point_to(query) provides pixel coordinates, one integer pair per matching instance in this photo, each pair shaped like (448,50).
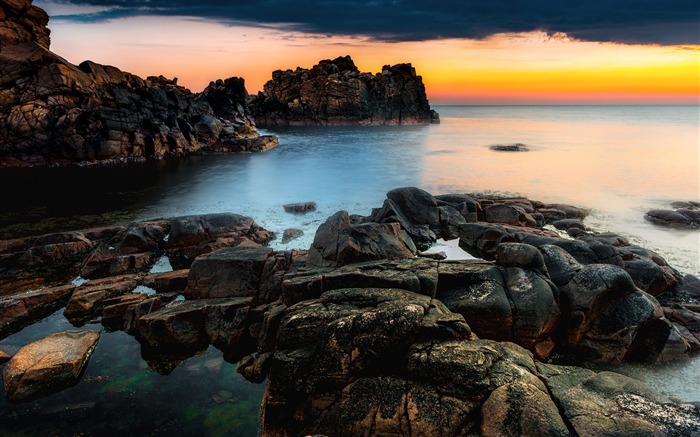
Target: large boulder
(336,92)
(415,210)
(339,242)
(191,236)
(230,272)
(48,365)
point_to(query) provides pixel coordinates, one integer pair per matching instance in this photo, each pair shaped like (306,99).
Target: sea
(617,162)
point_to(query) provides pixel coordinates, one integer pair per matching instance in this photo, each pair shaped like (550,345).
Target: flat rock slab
(22,309)
(48,365)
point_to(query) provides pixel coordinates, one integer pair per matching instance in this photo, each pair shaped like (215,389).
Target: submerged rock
(336,92)
(48,365)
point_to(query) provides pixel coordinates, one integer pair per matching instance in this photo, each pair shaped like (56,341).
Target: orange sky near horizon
(530,68)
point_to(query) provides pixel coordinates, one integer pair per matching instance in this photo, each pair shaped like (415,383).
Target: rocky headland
(336,92)
(53,112)
(360,335)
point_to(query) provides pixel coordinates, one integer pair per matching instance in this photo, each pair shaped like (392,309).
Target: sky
(468,52)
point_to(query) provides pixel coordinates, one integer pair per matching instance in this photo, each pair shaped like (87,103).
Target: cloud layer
(623,21)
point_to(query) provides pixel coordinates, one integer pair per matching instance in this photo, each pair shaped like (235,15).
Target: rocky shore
(359,335)
(53,112)
(335,92)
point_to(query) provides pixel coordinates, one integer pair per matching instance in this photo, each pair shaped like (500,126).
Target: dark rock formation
(338,242)
(682,218)
(291,234)
(299,208)
(517,147)
(336,92)
(48,365)
(54,112)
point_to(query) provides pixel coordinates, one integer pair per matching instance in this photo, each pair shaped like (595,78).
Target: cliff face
(53,112)
(336,92)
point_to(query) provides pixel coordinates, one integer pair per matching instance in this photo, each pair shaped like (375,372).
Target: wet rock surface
(360,336)
(336,92)
(685,216)
(54,112)
(48,365)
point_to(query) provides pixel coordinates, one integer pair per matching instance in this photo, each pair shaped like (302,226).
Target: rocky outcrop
(391,362)
(336,92)
(48,365)
(54,112)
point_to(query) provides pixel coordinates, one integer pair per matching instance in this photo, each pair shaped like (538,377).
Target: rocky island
(53,112)
(360,336)
(335,92)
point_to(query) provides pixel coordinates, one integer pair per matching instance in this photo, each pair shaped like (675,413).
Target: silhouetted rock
(518,147)
(54,112)
(336,92)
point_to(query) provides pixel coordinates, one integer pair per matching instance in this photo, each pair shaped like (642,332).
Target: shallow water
(617,161)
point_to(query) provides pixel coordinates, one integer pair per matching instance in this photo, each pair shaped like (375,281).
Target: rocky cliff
(336,92)
(54,112)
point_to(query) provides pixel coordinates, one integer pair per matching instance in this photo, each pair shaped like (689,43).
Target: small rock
(300,208)
(291,234)
(517,147)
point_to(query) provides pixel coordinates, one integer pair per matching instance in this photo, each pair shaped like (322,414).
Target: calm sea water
(616,161)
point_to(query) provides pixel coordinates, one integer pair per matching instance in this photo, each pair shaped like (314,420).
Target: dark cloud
(625,21)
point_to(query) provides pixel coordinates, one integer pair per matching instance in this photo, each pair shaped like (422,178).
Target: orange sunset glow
(519,68)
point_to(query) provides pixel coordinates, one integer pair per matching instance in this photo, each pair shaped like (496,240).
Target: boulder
(338,242)
(167,282)
(230,272)
(415,210)
(291,234)
(191,236)
(674,219)
(48,365)
(336,92)
(300,208)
